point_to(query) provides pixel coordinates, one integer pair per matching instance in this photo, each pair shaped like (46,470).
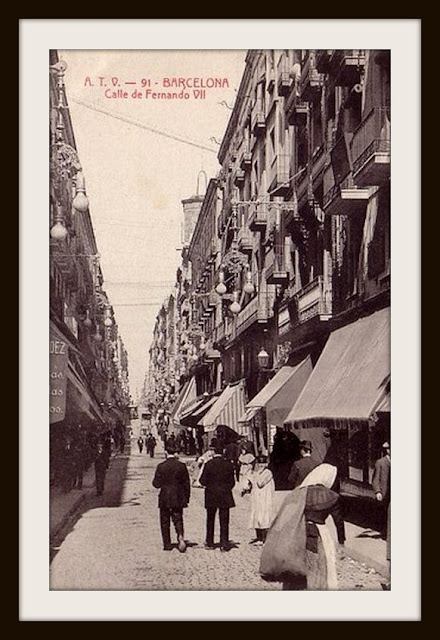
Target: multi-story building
(88,365)
(305,220)
(290,258)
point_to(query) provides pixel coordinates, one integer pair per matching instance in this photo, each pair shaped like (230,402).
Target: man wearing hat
(218,479)
(381,485)
(302,467)
(172,479)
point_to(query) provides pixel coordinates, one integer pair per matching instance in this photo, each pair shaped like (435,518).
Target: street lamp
(108,322)
(88,321)
(263,358)
(80,201)
(58,231)
(221,287)
(97,336)
(235,306)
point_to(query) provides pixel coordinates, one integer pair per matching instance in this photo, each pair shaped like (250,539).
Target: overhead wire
(142,125)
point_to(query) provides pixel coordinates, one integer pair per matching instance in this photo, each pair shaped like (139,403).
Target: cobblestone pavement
(116,543)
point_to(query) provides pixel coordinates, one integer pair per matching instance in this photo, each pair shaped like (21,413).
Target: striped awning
(227,409)
(197,409)
(186,396)
(249,414)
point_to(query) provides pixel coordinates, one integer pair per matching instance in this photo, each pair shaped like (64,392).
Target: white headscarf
(324,474)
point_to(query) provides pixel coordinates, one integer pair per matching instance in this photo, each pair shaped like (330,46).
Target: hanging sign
(58,360)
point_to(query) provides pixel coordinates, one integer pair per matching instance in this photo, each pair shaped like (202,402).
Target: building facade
(89,385)
(292,242)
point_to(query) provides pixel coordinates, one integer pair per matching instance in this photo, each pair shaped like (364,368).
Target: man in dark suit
(302,467)
(381,486)
(218,479)
(172,478)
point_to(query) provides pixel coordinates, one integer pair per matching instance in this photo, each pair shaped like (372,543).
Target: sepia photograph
(219,315)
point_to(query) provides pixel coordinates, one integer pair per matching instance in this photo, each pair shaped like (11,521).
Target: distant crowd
(76,449)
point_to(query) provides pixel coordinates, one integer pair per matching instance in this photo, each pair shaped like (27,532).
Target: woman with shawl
(300,550)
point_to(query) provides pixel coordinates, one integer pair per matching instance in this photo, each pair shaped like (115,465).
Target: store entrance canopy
(197,409)
(349,377)
(186,396)
(280,393)
(228,408)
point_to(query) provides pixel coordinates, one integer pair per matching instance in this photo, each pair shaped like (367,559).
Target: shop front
(344,407)
(268,409)
(226,411)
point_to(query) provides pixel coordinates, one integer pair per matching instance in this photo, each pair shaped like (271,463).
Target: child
(261,487)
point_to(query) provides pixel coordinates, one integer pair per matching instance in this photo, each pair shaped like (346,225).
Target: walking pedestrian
(100,469)
(381,486)
(172,478)
(218,479)
(150,445)
(300,550)
(140,442)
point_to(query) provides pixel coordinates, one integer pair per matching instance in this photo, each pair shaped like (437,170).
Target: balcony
(370,149)
(266,301)
(246,159)
(245,240)
(296,110)
(343,198)
(246,317)
(311,80)
(314,300)
(257,220)
(239,176)
(318,162)
(276,271)
(285,80)
(279,174)
(258,118)
(347,64)
(341,195)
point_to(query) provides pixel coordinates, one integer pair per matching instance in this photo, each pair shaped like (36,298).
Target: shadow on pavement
(116,477)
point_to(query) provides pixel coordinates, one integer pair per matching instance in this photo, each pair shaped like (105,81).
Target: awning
(200,407)
(348,378)
(384,406)
(185,397)
(228,408)
(249,414)
(83,400)
(280,393)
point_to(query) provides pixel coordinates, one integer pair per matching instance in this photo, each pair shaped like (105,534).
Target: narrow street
(116,544)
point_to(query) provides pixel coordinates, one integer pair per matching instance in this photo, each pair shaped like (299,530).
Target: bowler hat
(305,444)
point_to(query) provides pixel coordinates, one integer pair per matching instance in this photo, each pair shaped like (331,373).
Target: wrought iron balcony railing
(370,148)
(315,299)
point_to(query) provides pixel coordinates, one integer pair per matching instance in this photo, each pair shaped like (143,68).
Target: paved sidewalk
(366,546)
(64,505)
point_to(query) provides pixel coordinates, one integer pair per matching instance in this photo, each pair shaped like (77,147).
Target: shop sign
(58,361)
